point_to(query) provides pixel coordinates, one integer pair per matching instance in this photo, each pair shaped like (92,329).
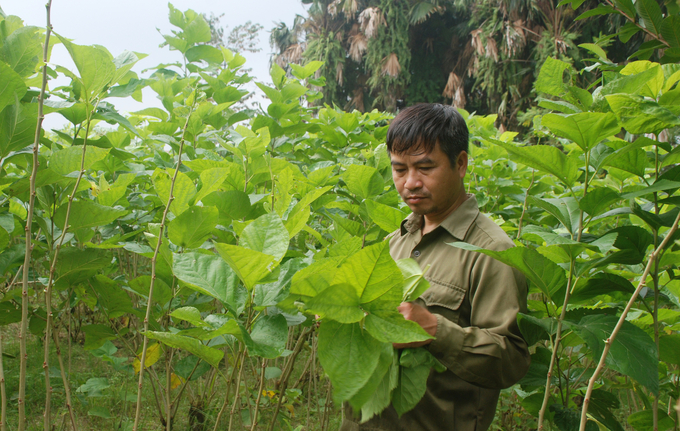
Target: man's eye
(426,168)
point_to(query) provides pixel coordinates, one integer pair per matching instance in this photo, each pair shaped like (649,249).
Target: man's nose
(413,180)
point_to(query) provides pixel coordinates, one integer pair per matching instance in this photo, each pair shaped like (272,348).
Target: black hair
(424,125)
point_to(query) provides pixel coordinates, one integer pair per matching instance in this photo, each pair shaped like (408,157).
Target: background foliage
(189,247)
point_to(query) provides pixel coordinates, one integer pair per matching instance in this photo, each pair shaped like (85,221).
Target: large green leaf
(651,14)
(251,266)
(95,65)
(388,218)
(96,335)
(69,159)
(210,355)
(415,283)
(183,192)
(371,271)
(207,274)
(363,181)
(643,420)
(266,234)
(545,158)
(543,273)
(110,296)
(338,302)
(551,77)
(368,391)
(640,116)
(12,87)
(565,210)
(597,200)
(77,265)
(17,127)
(633,353)
(670,30)
(313,279)
(85,214)
(21,50)
(586,129)
(349,355)
(268,337)
(193,227)
(233,204)
(212,180)
(391,327)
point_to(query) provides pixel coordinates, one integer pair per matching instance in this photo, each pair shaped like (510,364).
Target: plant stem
(3,394)
(145,343)
(64,379)
(259,394)
(237,394)
(619,324)
(524,208)
(286,374)
(50,282)
(29,222)
(553,357)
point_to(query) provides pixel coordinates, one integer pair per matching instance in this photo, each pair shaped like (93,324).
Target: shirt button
(416,253)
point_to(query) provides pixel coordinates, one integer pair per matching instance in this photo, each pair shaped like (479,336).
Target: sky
(134,25)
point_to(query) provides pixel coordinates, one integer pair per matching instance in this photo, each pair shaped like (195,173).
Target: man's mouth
(415,199)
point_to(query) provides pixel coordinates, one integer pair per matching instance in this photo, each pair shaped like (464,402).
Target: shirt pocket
(444,298)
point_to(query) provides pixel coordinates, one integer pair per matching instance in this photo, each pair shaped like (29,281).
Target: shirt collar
(457,223)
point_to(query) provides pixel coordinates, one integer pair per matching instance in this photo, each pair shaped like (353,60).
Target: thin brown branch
(619,324)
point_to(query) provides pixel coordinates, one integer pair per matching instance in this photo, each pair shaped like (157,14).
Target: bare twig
(619,324)
(3,394)
(259,394)
(29,223)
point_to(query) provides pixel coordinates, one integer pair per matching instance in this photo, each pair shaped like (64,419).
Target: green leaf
(191,345)
(251,266)
(551,77)
(382,395)
(586,129)
(391,327)
(371,271)
(539,270)
(234,204)
(268,337)
(651,15)
(183,192)
(193,227)
(644,420)
(670,30)
(597,200)
(96,335)
(348,355)
(207,53)
(86,214)
(68,160)
(12,87)
(95,65)
(565,210)
(367,392)
(77,265)
(661,185)
(633,353)
(411,388)
(313,279)
(599,285)
(304,72)
(207,274)
(21,50)
(267,235)
(17,127)
(197,31)
(388,218)
(338,302)
(191,315)
(640,116)
(94,386)
(545,158)
(110,296)
(415,283)
(101,412)
(363,181)
(212,180)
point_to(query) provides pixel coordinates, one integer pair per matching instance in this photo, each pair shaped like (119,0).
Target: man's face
(428,183)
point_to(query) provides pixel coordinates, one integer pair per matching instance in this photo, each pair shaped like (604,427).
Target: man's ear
(462,163)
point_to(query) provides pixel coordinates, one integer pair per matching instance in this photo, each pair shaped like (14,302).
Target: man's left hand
(421,316)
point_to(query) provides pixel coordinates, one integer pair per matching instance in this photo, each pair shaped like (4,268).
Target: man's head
(424,125)
(428,151)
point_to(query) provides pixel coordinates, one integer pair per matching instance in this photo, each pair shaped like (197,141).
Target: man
(472,304)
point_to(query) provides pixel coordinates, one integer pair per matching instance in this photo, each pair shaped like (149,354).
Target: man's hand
(421,316)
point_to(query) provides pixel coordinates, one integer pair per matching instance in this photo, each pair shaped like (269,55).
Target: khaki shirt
(476,300)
